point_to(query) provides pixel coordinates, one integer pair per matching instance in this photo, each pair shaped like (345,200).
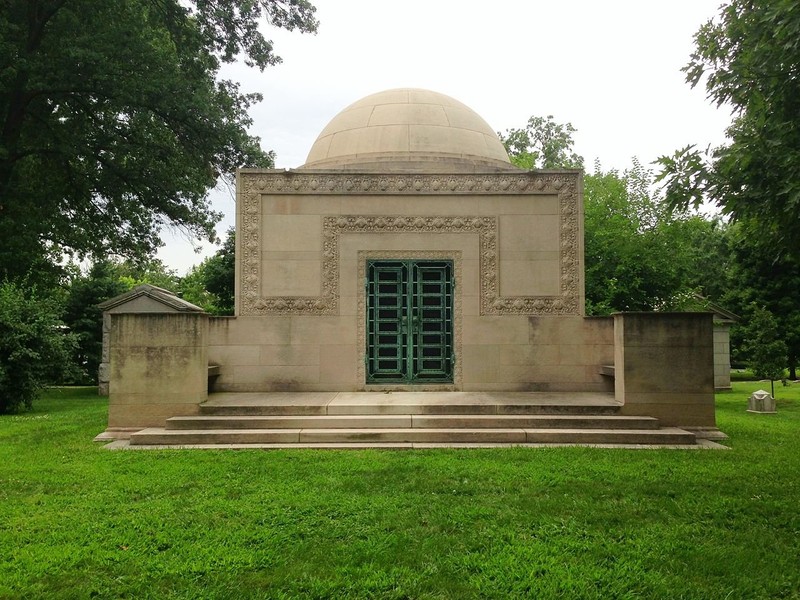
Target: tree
(193,289)
(104,279)
(748,59)
(758,279)
(85,319)
(34,349)
(211,283)
(639,254)
(542,144)
(151,271)
(708,243)
(219,274)
(113,122)
(766,349)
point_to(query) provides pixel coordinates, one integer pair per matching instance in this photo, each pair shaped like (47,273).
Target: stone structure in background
(141,299)
(722,348)
(408,254)
(761,402)
(723,319)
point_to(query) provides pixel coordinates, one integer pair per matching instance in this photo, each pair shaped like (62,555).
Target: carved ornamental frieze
(254,184)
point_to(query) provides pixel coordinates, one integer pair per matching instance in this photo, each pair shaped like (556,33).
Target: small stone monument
(761,402)
(143,298)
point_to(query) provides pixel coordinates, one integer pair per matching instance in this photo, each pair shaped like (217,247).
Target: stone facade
(664,367)
(722,355)
(305,237)
(402,177)
(159,367)
(141,299)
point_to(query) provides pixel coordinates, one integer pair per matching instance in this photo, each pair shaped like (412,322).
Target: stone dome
(408,129)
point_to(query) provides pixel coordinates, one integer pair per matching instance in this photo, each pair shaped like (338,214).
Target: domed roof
(408,129)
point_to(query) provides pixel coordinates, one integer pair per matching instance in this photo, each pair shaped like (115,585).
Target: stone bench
(607,370)
(213,373)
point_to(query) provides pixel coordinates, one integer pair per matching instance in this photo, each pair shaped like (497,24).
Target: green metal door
(410,321)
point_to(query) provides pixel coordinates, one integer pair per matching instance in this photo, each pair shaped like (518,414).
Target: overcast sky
(609,67)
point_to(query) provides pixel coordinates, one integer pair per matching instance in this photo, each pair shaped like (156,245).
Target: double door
(409,321)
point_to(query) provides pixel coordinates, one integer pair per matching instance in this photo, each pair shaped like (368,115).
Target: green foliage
(112,120)
(749,59)
(707,246)
(755,277)
(85,319)
(640,255)
(104,280)
(219,274)
(151,271)
(767,351)
(81,522)
(34,349)
(542,144)
(210,284)
(193,289)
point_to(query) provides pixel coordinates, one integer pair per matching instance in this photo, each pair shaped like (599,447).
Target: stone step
(664,435)
(125,445)
(161,436)
(408,420)
(288,422)
(414,421)
(233,409)
(409,403)
(537,421)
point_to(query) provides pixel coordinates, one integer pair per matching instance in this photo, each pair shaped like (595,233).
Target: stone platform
(395,420)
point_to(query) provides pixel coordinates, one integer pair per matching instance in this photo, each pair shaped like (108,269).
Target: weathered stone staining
(412,180)
(141,299)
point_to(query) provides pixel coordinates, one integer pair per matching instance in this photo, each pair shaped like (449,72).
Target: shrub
(34,349)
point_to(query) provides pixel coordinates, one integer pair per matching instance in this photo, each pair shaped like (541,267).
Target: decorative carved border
(310,182)
(254,184)
(363,257)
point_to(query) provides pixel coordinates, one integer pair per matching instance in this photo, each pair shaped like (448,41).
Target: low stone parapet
(159,367)
(664,367)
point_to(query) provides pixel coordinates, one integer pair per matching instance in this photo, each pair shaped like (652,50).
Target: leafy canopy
(640,255)
(756,279)
(211,283)
(113,121)
(85,319)
(749,59)
(542,144)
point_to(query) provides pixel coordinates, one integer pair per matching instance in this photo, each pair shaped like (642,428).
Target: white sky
(609,67)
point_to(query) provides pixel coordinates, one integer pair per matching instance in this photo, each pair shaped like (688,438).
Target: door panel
(410,321)
(386,319)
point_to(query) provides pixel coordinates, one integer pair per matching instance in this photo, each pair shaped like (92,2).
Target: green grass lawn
(78,521)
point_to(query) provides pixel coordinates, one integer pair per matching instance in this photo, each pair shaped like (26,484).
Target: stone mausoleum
(409,257)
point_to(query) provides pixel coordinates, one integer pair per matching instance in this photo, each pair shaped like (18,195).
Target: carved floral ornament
(297,182)
(253,184)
